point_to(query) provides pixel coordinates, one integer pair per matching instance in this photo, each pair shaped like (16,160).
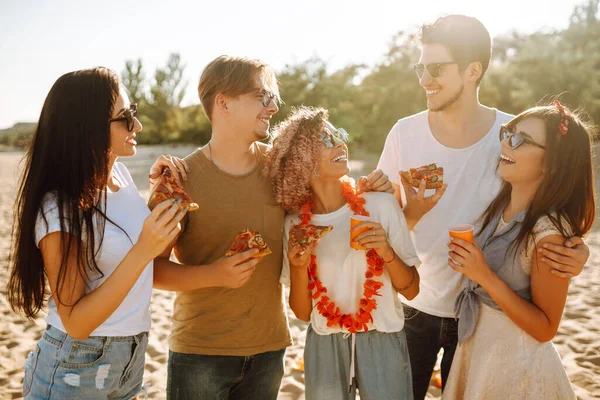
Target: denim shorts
(381,365)
(100,367)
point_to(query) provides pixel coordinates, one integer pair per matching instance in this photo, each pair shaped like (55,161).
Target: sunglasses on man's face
(516,139)
(268,97)
(434,69)
(332,136)
(128,116)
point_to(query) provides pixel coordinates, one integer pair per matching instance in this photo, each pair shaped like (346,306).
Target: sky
(42,39)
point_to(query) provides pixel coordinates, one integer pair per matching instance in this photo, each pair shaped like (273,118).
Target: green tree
(134,80)
(166,94)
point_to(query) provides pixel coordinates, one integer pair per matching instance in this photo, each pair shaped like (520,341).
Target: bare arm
(402,276)
(230,272)
(300,294)
(541,317)
(82,313)
(405,278)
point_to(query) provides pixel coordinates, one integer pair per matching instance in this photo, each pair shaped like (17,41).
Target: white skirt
(501,361)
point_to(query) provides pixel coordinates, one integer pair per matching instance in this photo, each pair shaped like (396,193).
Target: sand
(578,339)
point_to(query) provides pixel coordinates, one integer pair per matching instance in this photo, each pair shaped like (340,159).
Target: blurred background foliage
(526,69)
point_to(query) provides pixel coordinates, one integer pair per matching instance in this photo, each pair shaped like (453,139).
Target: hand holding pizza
(298,258)
(417,204)
(304,238)
(234,271)
(375,237)
(160,228)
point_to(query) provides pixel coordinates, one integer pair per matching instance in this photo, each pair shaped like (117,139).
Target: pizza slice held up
(167,188)
(306,237)
(433,175)
(248,239)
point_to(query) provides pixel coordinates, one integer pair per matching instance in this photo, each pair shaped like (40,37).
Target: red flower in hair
(563,127)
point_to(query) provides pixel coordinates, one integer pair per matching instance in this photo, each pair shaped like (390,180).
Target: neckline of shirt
(495,128)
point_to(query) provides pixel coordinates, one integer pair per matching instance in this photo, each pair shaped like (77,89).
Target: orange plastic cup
(464,232)
(355,220)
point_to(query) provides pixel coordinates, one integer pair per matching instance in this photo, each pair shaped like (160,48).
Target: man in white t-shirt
(462,136)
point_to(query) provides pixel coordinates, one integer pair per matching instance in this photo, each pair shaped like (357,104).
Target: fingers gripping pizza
(305,237)
(166,188)
(433,175)
(248,239)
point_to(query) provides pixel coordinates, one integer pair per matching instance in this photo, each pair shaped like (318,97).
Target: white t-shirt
(128,210)
(472,185)
(342,269)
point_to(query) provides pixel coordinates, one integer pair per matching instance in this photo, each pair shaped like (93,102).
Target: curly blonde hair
(295,155)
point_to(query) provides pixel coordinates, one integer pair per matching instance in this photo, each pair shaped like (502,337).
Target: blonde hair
(295,155)
(233,76)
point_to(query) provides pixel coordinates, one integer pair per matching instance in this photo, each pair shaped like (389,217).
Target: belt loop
(107,341)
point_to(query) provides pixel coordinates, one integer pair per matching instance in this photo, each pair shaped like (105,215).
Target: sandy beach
(578,339)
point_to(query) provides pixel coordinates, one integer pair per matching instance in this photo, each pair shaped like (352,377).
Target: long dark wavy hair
(68,158)
(566,193)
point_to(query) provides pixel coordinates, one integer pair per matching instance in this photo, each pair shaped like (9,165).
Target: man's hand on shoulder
(377,181)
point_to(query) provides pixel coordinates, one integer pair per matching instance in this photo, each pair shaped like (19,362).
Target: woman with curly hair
(355,338)
(511,305)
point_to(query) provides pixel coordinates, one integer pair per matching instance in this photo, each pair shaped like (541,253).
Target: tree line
(526,69)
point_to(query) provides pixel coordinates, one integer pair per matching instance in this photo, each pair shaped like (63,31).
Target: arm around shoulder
(548,291)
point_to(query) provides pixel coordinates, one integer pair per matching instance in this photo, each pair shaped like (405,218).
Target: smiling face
(525,164)
(248,114)
(446,89)
(333,163)
(122,142)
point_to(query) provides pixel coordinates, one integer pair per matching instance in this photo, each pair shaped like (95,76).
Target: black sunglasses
(434,69)
(129,116)
(516,139)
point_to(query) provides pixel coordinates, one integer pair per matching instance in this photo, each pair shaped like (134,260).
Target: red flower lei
(326,307)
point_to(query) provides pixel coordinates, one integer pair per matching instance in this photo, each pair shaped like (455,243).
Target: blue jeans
(425,335)
(195,376)
(100,367)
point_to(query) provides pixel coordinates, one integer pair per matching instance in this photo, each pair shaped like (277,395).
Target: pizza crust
(415,182)
(248,239)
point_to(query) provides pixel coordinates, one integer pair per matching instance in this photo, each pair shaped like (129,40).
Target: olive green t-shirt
(221,321)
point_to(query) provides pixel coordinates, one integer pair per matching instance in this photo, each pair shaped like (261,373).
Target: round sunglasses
(516,139)
(128,116)
(333,136)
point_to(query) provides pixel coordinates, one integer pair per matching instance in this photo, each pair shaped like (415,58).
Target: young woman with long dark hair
(84,237)
(512,304)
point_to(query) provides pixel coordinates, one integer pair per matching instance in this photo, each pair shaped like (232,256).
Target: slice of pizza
(248,239)
(306,237)
(166,188)
(433,175)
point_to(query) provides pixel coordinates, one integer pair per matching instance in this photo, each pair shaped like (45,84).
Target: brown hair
(233,76)
(566,193)
(295,155)
(466,39)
